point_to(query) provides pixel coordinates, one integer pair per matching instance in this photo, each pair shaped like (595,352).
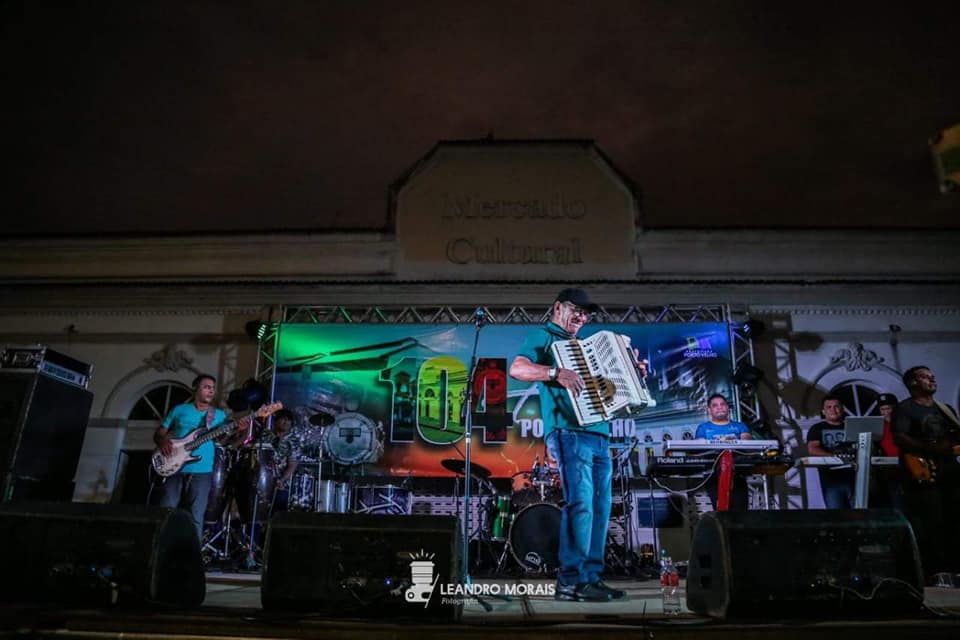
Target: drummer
(286,453)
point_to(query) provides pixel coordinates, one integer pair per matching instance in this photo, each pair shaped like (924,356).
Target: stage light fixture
(257,329)
(753,329)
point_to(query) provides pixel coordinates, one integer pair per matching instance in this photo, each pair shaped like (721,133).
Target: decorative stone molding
(169,359)
(854,357)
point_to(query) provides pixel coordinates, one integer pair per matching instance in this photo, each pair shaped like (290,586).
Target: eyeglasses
(574,309)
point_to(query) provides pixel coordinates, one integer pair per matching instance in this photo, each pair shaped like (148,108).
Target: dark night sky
(167,117)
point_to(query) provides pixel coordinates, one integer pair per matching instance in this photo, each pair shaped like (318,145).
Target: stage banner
(394,395)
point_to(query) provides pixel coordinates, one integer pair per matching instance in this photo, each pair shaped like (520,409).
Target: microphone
(479,316)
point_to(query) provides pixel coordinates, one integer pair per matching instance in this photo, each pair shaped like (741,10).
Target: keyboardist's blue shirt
(711,431)
(556,410)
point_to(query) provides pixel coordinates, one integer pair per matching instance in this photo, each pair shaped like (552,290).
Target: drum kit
(521,522)
(525,519)
(333,449)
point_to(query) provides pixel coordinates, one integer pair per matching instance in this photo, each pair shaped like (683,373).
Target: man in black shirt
(823,439)
(928,433)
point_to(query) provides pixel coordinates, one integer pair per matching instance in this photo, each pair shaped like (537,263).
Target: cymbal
(322,419)
(457,466)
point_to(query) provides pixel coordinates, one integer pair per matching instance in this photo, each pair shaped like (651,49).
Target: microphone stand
(479,318)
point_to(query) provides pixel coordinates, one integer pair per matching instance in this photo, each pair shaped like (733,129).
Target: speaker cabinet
(361,565)
(817,563)
(42,424)
(99,554)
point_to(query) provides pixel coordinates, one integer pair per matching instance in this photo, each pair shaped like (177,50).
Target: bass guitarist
(928,434)
(189,487)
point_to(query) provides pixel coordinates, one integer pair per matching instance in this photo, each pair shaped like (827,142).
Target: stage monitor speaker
(812,563)
(362,565)
(42,424)
(99,554)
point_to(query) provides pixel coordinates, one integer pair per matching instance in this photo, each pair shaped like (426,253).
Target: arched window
(859,397)
(158,399)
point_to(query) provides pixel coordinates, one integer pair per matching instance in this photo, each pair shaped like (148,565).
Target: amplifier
(47,361)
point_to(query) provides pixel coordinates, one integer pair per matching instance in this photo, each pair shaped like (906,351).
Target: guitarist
(928,433)
(189,487)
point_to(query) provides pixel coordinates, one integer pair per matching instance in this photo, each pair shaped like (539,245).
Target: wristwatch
(552,373)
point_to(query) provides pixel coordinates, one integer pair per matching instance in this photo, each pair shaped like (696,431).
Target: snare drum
(353,439)
(383,499)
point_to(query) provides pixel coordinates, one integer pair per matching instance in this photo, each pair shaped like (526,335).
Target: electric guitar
(167,465)
(922,469)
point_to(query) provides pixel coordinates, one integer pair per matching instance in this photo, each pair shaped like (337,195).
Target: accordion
(613,386)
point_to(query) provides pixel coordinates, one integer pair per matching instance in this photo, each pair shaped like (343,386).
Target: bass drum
(535,538)
(353,439)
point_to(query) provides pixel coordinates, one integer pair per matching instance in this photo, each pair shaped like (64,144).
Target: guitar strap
(949,413)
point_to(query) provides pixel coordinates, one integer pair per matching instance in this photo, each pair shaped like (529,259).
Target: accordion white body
(613,386)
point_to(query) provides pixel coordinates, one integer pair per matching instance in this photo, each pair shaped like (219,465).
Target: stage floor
(232,609)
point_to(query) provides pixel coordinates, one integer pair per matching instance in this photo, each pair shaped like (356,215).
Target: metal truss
(492,314)
(748,400)
(626,314)
(266,365)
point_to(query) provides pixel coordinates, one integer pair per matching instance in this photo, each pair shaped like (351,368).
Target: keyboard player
(721,427)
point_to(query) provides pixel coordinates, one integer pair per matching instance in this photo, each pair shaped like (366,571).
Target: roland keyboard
(701,445)
(749,463)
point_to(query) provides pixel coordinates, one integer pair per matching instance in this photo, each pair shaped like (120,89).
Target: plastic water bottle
(669,587)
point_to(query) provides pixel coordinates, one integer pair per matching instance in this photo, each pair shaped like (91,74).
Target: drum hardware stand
(629,560)
(250,562)
(319,481)
(653,524)
(227,532)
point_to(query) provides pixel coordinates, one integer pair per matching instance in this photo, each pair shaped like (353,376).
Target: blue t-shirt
(556,410)
(185,418)
(711,431)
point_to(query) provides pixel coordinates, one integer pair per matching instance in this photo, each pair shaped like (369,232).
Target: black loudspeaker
(42,424)
(816,563)
(362,565)
(99,554)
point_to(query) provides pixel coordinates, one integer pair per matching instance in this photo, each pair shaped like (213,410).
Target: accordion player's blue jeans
(586,471)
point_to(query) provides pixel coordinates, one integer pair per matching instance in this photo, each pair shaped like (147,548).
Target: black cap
(578,297)
(886,399)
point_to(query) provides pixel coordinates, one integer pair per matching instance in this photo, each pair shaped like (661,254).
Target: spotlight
(753,328)
(257,329)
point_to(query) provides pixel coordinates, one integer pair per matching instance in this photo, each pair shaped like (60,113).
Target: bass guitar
(167,465)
